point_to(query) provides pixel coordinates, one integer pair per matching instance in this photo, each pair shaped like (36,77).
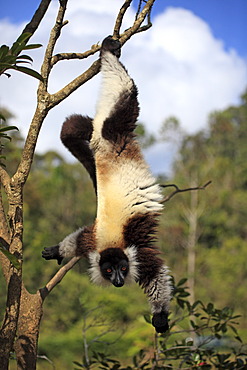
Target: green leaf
(24,37)
(182,281)
(239,339)
(8,128)
(4,49)
(147,318)
(29,72)
(10,257)
(24,56)
(32,46)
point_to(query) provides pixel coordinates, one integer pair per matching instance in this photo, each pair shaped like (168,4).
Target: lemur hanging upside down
(120,244)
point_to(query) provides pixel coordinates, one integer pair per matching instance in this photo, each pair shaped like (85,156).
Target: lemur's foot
(160,322)
(109,44)
(52,253)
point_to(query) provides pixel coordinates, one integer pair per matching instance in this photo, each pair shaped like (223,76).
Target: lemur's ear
(109,44)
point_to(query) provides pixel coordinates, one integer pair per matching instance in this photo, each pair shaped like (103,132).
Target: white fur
(133,275)
(115,80)
(128,189)
(94,270)
(67,247)
(96,276)
(159,291)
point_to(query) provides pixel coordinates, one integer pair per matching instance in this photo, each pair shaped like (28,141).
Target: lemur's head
(114,266)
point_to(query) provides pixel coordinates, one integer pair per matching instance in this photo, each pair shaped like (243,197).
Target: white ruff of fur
(95,273)
(159,291)
(67,247)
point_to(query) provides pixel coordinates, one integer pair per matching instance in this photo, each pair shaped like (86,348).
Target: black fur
(76,134)
(160,322)
(109,44)
(52,253)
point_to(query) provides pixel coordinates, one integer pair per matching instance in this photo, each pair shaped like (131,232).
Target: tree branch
(119,19)
(58,277)
(54,35)
(67,56)
(75,84)
(137,23)
(32,26)
(140,16)
(178,190)
(5,180)
(60,95)
(43,101)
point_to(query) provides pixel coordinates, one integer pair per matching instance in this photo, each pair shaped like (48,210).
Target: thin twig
(67,56)
(136,27)
(178,190)
(119,19)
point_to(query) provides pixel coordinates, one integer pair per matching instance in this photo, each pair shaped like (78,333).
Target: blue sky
(227,18)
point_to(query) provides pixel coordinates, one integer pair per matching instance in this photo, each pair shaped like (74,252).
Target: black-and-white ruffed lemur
(120,244)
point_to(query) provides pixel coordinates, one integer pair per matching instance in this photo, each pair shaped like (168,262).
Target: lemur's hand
(52,253)
(160,322)
(109,44)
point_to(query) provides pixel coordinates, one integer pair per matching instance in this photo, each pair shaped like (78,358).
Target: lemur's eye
(109,270)
(123,268)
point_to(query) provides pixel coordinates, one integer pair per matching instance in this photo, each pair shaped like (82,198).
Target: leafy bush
(200,336)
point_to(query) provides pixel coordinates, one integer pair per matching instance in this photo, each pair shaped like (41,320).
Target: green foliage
(3,135)
(200,336)
(10,58)
(145,139)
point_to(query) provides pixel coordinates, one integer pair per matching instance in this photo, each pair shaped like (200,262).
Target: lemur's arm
(79,243)
(76,134)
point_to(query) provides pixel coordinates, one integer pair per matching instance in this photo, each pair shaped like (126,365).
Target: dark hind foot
(109,44)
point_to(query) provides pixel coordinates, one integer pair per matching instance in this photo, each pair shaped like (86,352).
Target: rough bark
(26,345)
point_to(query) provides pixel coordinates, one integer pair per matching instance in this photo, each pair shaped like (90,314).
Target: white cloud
(178,65)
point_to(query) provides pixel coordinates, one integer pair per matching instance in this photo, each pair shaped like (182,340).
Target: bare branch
(58,277)
(119,19)
(75,84)
(95,67)
(54,35)
(5,180)
(32,26)
(178,190)
(43,101)
(137,24)
(67,56)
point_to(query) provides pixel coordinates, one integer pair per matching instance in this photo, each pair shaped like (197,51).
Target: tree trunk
(26,344)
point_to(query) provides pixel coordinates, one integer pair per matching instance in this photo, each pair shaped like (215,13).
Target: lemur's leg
(154,279)
(75,135)
(118,108)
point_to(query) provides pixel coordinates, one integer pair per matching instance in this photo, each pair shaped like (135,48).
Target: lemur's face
(114,265)
(116,273)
